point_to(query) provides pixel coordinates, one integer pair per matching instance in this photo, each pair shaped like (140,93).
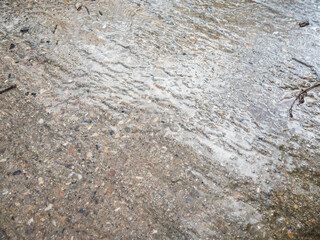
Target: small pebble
(5,192)
(11,75)
(112,173)
(40,180)
(30,221)
(304,23)
(78,6)
(24,29)
(16,173)
(49,207)
(12,46)
(81,210)
(41,121)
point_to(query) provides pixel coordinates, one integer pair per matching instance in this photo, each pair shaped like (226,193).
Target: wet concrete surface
(159,120)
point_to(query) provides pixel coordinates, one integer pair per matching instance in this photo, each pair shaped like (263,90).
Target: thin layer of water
(218,77)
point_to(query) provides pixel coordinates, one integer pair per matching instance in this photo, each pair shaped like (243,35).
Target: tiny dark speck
(111,132)
(12,46)
(33,94)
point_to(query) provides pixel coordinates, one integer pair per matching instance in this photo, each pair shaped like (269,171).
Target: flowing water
(159,119)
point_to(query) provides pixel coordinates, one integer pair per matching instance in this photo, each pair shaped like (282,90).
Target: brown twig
(87,10)
(301,96)
(307,65)
(7,89)
(54,30)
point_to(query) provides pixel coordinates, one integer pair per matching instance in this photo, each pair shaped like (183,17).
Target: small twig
(309,66)
(87,10)
(7,89)
(301,96)
(54,30)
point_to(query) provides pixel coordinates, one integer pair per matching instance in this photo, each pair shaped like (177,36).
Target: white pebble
(40,180)
(30,221)
(49,207)
(5,192)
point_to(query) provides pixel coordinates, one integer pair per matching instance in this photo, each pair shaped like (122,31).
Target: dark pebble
(29,230)
(69,165)
(111,132)
(77,128)
(24,29)
(12,46)
(11,75)
(100,13)
(97,147)
(16,173)
(184,54)
(27,93)
(81,210)
(33,94)
(304,24)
